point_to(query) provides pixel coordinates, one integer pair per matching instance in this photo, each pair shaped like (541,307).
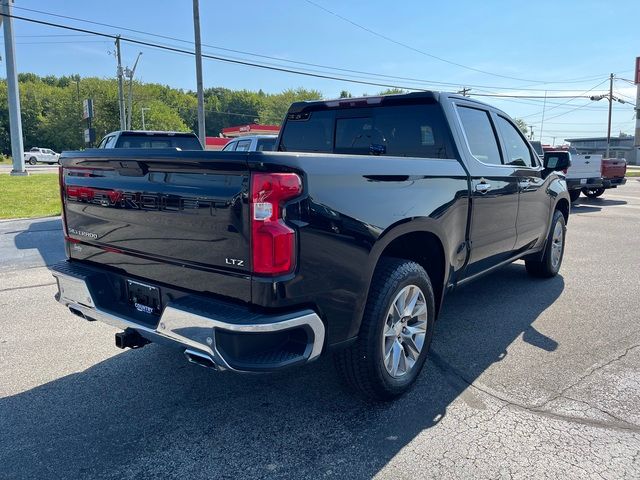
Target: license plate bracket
(144,298)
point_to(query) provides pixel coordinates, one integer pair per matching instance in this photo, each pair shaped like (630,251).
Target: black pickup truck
(344,240)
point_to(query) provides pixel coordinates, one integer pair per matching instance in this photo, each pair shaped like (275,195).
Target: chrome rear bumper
(195,326)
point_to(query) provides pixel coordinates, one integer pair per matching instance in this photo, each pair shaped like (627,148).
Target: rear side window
(229,147)
(110,142)
(401,130)
(516,148)
(266,144)
(243,146)
(480,135)
(312,133)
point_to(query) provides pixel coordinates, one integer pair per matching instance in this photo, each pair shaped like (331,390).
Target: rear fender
(395,231)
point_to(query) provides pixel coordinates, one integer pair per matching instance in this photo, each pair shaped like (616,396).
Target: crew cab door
(494,191)
(534,201)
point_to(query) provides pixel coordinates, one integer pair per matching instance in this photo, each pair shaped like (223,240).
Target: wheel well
(563,206)
(425,249)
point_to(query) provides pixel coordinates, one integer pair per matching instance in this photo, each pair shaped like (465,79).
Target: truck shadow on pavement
(45,238)
(147,413)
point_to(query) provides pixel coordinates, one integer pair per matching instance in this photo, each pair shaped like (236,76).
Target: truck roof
(154,132)
(381,99)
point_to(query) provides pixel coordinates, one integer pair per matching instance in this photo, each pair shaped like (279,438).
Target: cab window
(243,146)
(516,149)
(480,135)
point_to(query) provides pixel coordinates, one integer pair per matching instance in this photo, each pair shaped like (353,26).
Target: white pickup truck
(42,155)
(251,143)
(583,174)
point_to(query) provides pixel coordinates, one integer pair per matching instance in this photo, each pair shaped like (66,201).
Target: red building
(252,129)
(216,143)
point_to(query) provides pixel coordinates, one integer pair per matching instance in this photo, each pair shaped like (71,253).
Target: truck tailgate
(614,168)
(182,221)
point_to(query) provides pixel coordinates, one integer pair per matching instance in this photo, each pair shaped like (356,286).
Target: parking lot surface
(526,379)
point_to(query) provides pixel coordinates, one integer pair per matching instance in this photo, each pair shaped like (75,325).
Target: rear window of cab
(399,130)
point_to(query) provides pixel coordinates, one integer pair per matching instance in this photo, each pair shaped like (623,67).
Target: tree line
(52,109)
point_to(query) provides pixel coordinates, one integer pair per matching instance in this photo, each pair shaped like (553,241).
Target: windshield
(158,141)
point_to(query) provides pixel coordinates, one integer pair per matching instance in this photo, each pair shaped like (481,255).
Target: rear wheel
(549,265)
(593,192)
(395,333)
(33,161)
(573,195)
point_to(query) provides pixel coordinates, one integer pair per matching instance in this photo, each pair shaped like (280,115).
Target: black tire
(362,364)
(33,161)
(573,195)
(592,192)
(547,267)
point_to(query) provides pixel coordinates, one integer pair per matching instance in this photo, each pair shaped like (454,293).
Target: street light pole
(610,107)
(196,33)
(121,106)
(130,74)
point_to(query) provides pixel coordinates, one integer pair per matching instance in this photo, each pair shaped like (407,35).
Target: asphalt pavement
(526,379)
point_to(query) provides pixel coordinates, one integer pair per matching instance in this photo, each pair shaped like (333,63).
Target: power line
(422,52)
(54,34)
(246,63)
(213,57)
(326,67)
(59,42)
(225,59)
(501,95)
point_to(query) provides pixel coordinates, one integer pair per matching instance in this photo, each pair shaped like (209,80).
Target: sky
(553,48)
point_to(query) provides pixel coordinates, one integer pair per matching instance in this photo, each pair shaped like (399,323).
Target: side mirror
(557,161)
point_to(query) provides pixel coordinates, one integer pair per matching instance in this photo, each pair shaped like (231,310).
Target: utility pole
(123,125)
(530,132)
(196,33)
(610,107)
(637,133)
(464,92)
(13,91)
(130,74)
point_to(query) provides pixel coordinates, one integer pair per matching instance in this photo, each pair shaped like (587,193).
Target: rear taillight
(62,195)
(273,243)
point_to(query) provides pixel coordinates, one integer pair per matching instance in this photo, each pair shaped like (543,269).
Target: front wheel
(33,161)
(593,192)
(549,265)
(395,333)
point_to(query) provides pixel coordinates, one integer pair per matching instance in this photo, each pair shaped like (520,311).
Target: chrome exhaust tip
(200,358)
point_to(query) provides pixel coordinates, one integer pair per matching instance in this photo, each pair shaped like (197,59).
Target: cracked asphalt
(526,379)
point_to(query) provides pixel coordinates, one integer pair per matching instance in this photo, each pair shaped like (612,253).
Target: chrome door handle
(482,187)
(524,184)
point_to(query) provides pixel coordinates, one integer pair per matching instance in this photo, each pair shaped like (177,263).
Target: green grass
(32,196)
(4,160)
(634,173)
